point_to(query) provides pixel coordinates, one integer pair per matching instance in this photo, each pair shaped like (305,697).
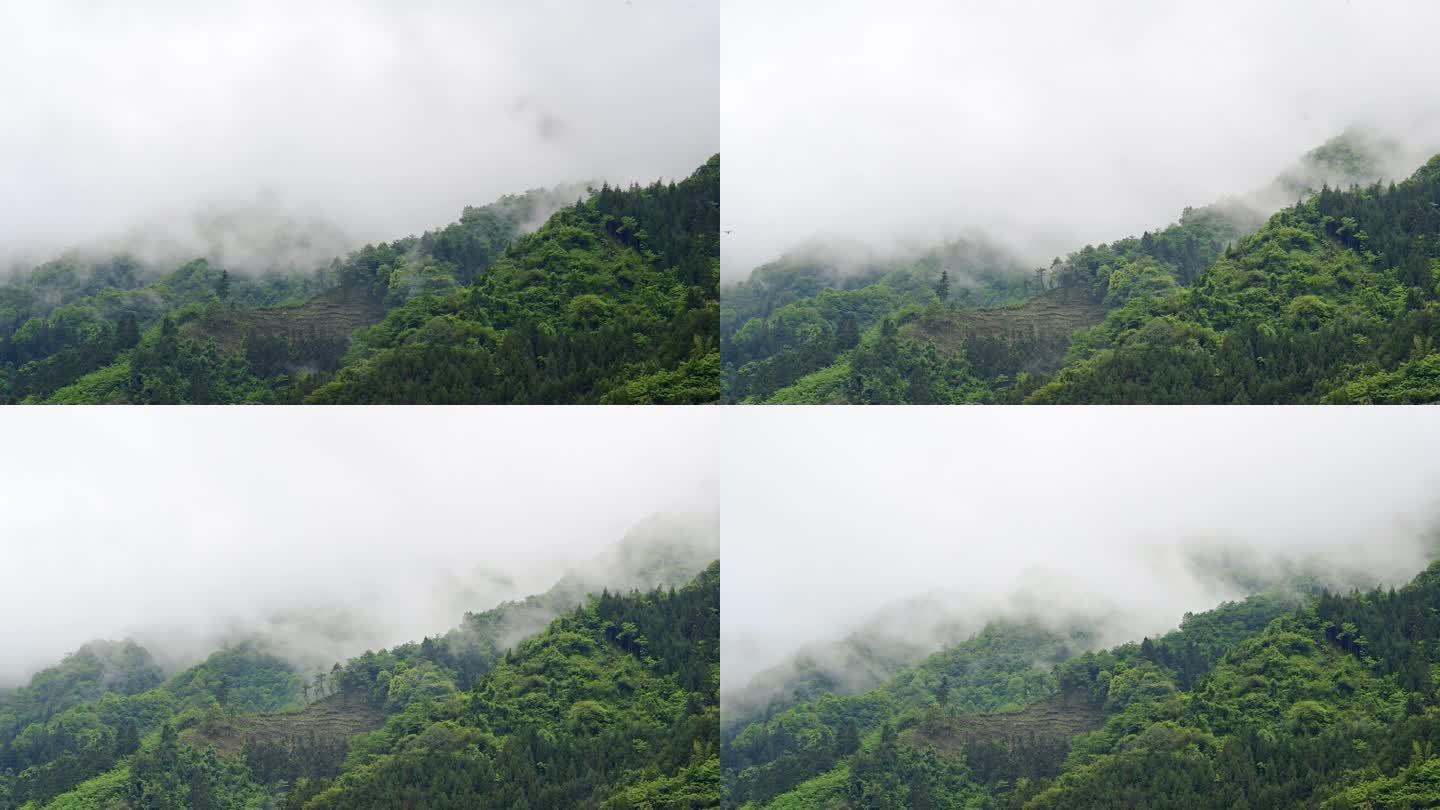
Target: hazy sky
(386,117)
(832,514)
(1052,124)
(179,525)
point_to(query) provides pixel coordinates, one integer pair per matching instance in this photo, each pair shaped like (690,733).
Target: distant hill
(1332,299)
(615,691)
(1290,698)
(613,298)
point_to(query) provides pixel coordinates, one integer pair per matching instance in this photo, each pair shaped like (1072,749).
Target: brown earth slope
(1059,718)
(332,315)
(1032,336)
(336,717)
(1002,748)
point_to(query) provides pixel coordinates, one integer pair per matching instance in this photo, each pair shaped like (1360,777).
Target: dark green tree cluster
(95,670)
(174,776)
(611,704)
(980,725)
(1334,300)
(893,370)
(288,759)
(393,679)
(802,314)
(244,339)
(614,300)
(68,319)
(61,751)
(992,671)
(614,705)
(892,775)
(824,342)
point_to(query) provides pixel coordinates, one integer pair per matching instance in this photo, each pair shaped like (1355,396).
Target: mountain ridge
(1139,303)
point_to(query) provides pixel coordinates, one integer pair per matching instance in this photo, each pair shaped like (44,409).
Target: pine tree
(847,333)
(847,739)
(127,738)
(127,332)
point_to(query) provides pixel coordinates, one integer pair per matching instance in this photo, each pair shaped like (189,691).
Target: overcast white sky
(1051,124)
(832,514)
(383,524)
(386,117)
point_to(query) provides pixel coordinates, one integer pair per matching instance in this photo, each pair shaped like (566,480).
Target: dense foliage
(614,705)
(73,318)
(614,299)
(991,672)
(1335,299)
(57,752)
(92,672)
(534,703)
(1295,697)
(801,314)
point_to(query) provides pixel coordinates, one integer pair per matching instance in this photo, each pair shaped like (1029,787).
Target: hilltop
(611,295)
(460,718)
(1296,698)
(1260,298)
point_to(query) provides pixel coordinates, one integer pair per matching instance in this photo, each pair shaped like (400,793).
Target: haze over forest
(1043,127)
(1115,520)
(167,127)
(323,534)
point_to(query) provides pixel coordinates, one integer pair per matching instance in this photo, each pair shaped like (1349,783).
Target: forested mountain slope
(1330,301)
(537,703)
(614,298)
(1329,701)
(864,659)
(1334,300)
(797,315)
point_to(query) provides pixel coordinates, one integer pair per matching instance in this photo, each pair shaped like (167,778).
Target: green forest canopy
(1335,299)
(1294,697)
(613,704)
(613,299)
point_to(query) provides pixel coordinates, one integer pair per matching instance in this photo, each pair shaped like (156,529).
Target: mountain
(1290,698)
(1331,299)
(91,672)
(796,316)
(575,697)
(610,299)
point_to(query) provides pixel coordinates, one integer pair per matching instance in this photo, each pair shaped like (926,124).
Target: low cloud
(1046,126)
(907,535)
(332,533)
(377,119)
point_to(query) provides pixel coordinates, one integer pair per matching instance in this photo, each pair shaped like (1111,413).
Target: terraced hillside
(334,720)
(1031,336)
(329,316)
(1000,748)
(1056,719)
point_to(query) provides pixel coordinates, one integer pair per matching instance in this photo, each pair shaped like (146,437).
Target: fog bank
(325,533)
(914,532)
(380,118)
(1046,125)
